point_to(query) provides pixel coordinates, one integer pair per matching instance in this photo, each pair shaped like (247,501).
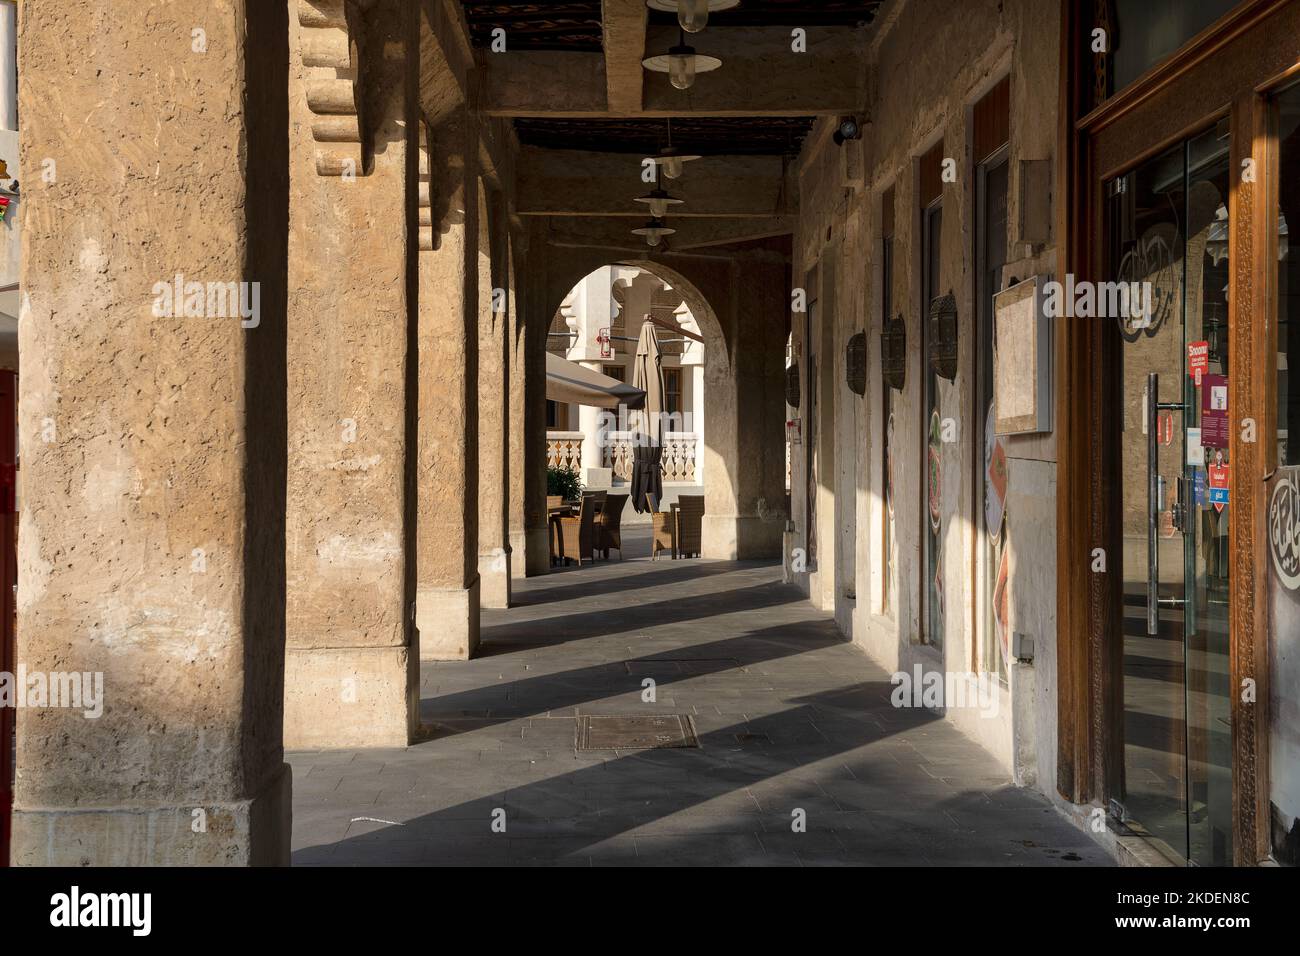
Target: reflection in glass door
(1168,242)
(1283,495)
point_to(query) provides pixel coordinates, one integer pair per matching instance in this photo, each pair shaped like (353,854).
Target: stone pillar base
(252,832)
(537,552)
(518,554)
(741,537)
(494,579)
(447,620)
(343,697)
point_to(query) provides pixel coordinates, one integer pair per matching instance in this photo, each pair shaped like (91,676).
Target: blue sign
(1218,496)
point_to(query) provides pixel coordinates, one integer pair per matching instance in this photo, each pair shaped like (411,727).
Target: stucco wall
(927,71)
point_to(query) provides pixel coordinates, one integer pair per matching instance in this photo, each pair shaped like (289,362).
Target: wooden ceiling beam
(624,41)
(760,76)
(583,184)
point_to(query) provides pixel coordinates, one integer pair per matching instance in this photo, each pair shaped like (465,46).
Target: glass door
(1168,257)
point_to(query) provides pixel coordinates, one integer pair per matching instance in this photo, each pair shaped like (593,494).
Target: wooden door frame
(1226,70)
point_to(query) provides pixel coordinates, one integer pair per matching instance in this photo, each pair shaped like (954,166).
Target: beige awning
(575,384)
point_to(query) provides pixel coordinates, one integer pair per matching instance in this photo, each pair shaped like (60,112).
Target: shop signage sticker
(1218,474)
(1195,451)
(1198,360)
(1214,411)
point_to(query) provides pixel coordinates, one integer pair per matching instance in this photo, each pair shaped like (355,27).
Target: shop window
(1283,497)
(1144,33)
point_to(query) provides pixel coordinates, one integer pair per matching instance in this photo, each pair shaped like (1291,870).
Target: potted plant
(565,483)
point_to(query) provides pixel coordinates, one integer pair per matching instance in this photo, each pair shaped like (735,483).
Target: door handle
(1154,495)
(1156,504)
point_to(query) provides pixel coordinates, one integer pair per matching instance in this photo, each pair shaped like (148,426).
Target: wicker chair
(690,523)
(678,530)
(599,498)
(608,523)
(575,537)
(552,525)
(662,537)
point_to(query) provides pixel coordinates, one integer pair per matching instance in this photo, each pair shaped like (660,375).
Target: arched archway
(743,447)
(613,299)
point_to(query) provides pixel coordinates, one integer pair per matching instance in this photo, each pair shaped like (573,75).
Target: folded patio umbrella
(648,376)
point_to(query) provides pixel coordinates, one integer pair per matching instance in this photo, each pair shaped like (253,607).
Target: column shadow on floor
(448,714)
(844,757)
(742,793)
(506,637)
(641,573)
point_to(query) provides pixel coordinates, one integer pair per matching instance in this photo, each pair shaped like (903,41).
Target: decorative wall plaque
(943,336)
(893,353)
(855,362)
(792,385)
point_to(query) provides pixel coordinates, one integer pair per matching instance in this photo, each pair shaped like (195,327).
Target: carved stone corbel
(329,47)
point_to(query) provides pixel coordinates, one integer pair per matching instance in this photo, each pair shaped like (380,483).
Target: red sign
(1219,473)
(1198,360)
(1165,430)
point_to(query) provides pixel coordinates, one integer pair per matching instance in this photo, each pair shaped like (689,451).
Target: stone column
(743,515)
(693,365)
(537,322)
(447,596)
(595,303)
(518,413)
(493,406)
(697,416)
(589,417)
(351,675)
(152,535)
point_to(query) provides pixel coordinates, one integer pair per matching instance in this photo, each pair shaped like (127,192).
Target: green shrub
(562,482)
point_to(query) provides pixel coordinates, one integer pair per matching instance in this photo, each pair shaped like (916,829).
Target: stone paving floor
(790,718)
